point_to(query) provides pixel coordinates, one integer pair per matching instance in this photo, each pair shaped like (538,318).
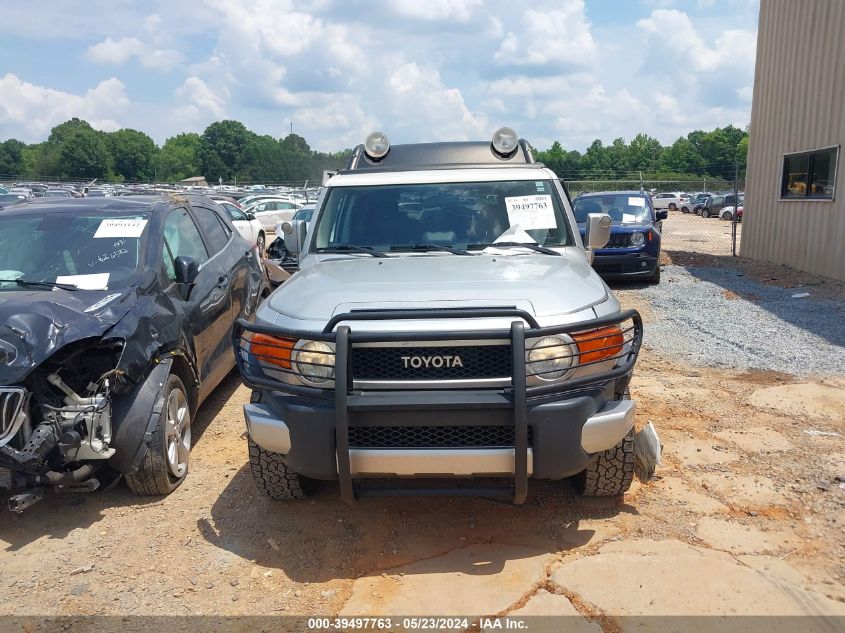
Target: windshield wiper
(351,248)
(41,284)
(431,247)
(534,247)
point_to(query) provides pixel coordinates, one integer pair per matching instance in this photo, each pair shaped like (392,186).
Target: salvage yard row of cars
(444,323)
(707,205)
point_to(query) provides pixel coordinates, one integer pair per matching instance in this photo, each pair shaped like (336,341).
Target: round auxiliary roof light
(505,141)
(376,145)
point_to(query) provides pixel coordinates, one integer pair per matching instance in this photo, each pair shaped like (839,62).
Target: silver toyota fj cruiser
(445,326)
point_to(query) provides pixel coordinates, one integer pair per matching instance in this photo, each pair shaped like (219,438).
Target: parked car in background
(668,200)
(714,205)
(727,213)
(112,332)
(273,210)
(634,247)
(247,225)
(10,199)
(57,193)
(694,204)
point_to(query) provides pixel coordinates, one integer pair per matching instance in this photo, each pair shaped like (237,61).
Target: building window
(809,174)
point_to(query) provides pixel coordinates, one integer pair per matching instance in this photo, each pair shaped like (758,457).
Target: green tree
(682,156)
(179,157)
(84,154)
(644,153)
(222,146)
(11,157)
(262,160)
(134,154)
(59,132)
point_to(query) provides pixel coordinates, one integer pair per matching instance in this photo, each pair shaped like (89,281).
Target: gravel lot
(745,516)
(719,317)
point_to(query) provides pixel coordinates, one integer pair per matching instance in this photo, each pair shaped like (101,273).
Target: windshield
(622,208)
(442,214)
(90,251)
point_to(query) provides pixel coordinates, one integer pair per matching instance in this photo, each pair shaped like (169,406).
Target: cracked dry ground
(745,517)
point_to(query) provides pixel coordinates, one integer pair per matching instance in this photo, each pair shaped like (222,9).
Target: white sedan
(269,212)
(247,225)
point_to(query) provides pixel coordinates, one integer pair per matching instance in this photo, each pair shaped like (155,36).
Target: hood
(36,323)
(543,285)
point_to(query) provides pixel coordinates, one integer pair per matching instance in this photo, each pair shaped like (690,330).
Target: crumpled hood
(36,323)
(543,284)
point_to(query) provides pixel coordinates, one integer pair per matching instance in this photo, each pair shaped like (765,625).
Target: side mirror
(250,216)
(294,235)
(598,232)
(662,215)
(186,274)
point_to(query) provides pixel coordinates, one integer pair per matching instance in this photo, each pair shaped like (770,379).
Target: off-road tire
(154,478)
(655,278)
(273,476)
(611,474)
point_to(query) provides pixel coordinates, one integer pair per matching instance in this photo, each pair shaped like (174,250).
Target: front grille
(431,363)
(618,240)
(11,401)
(433,437)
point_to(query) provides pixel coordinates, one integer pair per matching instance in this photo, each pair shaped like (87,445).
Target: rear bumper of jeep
(545,431)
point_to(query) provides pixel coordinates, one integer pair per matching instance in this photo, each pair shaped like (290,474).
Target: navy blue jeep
(633,251)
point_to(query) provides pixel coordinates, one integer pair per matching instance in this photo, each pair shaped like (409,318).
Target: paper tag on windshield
(97,281)
(120,228)
(636,202)
(627,217)
(516,234)
(531,212)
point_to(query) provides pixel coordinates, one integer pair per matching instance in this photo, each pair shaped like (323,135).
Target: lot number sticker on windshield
(120,228)
(531,212)
(636,202)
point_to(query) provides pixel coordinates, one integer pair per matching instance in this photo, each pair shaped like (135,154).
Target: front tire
(672,207)
(262,244)
(274,478)
(705,213)
(165,463)
(611,474)
(655,278)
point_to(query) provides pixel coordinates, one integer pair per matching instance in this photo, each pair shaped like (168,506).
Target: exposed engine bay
(56,428)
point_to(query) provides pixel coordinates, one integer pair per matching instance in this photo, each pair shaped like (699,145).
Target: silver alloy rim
(178,429)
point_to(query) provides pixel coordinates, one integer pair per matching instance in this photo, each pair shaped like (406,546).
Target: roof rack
(439,156)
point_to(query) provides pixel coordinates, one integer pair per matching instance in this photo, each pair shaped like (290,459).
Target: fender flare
(134,416)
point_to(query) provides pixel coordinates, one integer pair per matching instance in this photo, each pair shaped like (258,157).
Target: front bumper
(554,430)
(564,437)
(638,264)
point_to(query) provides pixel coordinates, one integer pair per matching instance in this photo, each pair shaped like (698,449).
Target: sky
(419,70)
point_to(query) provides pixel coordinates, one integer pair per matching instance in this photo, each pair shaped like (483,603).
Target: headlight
(550,358)
(313,361)
(637,239)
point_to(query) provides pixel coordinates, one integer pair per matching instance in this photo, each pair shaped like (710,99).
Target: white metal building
(795,188)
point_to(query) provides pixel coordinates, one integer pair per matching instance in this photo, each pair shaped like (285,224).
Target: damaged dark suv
(115,324)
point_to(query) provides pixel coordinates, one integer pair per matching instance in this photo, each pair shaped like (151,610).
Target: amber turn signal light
(595,345)
(272,349)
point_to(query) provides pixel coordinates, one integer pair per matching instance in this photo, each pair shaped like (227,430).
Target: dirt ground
(746,516)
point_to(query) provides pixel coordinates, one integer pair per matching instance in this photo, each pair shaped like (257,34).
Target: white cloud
(201,98)
(674,32)
(438,10)
(118,52)
(28,111)
(558,36)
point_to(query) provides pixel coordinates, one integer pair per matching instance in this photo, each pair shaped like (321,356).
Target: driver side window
(181,238)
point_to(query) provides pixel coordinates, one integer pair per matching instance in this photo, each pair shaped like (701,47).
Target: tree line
(225,149)
(228,150)
(716,154)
